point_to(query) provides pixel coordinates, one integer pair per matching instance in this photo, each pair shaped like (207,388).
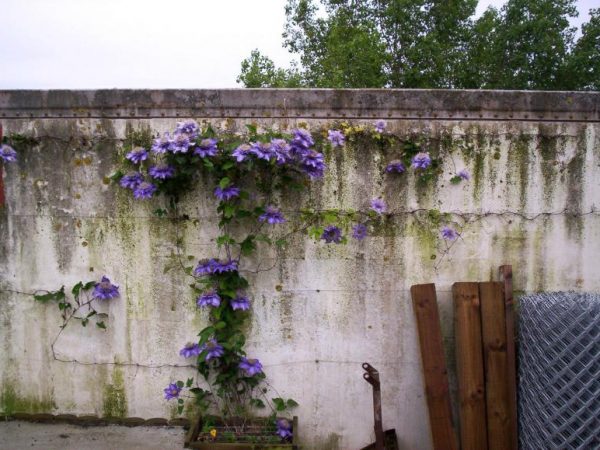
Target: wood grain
(434,367)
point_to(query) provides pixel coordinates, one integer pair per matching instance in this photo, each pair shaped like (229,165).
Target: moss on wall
(12,402)
(114,400)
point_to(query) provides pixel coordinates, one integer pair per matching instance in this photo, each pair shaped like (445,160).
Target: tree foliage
(527,44)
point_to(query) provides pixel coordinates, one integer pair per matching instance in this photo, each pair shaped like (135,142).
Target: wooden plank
(469,366)
(493,331)
(511,354)
(434,367)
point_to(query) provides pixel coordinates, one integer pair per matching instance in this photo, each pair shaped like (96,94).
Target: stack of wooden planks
(485,360)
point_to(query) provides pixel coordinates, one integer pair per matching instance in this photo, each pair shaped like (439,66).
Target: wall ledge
(327,104)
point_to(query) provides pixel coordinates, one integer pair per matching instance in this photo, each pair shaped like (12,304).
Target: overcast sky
(79,44)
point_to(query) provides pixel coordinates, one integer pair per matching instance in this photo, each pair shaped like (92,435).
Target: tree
(533,42)
(527,44)
(582,70)
(260,71)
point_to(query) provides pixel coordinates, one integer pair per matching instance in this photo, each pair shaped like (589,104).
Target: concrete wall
(321,310)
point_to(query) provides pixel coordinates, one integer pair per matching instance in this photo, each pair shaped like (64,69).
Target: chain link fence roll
(559,371)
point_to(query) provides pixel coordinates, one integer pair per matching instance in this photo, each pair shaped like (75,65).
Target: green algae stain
(575,175)
(547,147)
(11,402)
(114,400)
(519,155)
(478,174)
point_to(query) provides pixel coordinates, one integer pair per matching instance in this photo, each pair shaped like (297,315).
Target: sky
(93,44)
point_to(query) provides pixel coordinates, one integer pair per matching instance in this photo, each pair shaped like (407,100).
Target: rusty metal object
(372,377)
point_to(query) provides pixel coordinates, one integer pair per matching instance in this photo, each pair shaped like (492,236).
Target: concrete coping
(327,104)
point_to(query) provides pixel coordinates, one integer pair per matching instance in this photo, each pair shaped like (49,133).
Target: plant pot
(239,434)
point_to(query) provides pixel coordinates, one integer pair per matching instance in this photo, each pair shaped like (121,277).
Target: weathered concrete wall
(321,310)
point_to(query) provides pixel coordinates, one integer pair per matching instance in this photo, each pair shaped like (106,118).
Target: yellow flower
(213,433)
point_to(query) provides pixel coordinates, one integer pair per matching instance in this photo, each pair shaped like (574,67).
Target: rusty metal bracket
(372,377)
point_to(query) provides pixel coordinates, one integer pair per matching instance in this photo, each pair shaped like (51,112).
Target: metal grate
(559,371)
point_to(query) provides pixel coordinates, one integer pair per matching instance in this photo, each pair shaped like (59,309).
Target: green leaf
(280,242)
(228,211)
(330,217)
(224,182)
(279,404)
(76,289)
(225,239)
(455,179)
(247,246)
(116,176)
(228,165)
(89,285)
(84,322)
(220,325)
(189,382)
(180,385)
(53,295)
(292,403)
(180,409)
(257,403)
(101,325)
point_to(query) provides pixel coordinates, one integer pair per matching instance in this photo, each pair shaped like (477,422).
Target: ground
(17,435)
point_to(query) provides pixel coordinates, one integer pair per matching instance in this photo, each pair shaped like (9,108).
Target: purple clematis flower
(378,205)
(7,153)
(137,155)
(162,144)
(284,428)
(449,234)
(210,266)
(213,349)
(226,193)
(281,150)
(131,180)
(359,231)
(242,152)
(161,171)
(190,349)
(181,143)
(241,302)
(105,290)
(380,126)
(395,166)
(144,190)
(272,215)
(302,138)
(336,137)
(224,267)
(331,234)
(210,298)
(207,147)
(172,391)
(205,267)
(312,164)
(263,150)
(421,160)
(189,127)
(464,175)
(250,367)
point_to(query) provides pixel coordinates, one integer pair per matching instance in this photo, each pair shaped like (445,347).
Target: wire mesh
(559,371)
